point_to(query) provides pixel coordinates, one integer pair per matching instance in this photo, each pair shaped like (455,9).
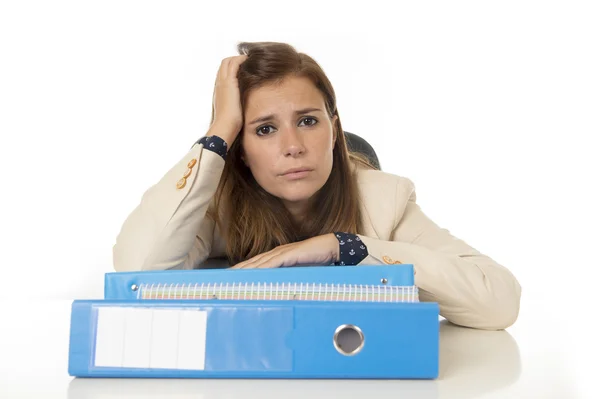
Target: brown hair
(258,221)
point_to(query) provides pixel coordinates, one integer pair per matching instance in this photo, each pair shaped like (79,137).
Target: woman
(273,184)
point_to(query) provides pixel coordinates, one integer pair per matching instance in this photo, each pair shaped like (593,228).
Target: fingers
(268,262)
(245,264)
(254,263)
(222,70)
(230,66)
(262,261)
(234,65)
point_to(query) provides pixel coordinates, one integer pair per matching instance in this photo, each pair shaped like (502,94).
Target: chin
(297,194)
(293,191)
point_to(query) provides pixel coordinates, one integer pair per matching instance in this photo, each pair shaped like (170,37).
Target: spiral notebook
(389,283)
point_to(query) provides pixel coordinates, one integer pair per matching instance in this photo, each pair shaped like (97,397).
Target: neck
(298,214)
(298,210)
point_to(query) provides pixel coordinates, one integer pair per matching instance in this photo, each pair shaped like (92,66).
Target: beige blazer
(169,230)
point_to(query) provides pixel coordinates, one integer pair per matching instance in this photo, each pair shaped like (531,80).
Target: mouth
(298,173)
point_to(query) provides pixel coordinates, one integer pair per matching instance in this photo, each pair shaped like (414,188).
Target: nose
(292,143)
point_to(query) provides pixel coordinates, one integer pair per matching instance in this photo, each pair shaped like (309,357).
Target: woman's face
(288,137)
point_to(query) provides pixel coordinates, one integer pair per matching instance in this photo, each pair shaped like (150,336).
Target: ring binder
(342,345)
(301,322)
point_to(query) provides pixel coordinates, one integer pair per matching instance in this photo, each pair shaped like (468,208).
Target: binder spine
(279,291)
(253,339)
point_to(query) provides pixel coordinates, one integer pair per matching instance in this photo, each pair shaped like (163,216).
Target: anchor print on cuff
(214,144)
(352,249)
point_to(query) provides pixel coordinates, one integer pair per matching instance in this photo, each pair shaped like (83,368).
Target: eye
(264,130)
(310,118)
(261,132)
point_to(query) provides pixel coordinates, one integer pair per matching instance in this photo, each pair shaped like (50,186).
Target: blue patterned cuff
(352,249)
(214,144)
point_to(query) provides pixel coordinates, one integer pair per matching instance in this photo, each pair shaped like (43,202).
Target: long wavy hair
(257,221)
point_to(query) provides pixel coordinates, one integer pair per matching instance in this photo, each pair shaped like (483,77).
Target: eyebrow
(271,116)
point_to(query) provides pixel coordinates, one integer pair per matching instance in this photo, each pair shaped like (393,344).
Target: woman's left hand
(320,250)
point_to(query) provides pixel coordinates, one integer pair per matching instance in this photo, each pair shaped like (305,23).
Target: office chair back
(358,144)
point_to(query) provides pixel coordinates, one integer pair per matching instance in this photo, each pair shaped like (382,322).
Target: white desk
(528,360)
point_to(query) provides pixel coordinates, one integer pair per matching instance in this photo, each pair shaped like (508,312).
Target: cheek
(324,147)
(260,163)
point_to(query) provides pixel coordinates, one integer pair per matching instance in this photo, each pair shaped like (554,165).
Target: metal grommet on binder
(134,287)
(348,339)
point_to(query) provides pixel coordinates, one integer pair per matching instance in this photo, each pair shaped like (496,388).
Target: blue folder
(266,339)
(301,322)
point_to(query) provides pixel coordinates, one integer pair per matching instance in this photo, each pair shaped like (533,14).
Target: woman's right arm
(169,229)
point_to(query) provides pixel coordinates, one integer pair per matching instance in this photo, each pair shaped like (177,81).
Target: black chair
(358,144)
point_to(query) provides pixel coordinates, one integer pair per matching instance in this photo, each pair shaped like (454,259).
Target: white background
(491,108)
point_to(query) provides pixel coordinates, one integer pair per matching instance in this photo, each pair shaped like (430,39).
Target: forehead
(291,94)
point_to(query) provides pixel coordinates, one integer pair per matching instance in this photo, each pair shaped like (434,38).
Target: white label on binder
(150,338)
(109,337)
(138,334)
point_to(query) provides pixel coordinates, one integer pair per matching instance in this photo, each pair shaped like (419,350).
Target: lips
(296,174)
(296,170)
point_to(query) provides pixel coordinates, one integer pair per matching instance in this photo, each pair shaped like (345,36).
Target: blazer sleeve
(169,229)
(471,289)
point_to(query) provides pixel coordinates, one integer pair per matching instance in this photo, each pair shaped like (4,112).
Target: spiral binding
(280,291)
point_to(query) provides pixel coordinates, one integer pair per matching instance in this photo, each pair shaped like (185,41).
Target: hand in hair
(320,250)
(227,107)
